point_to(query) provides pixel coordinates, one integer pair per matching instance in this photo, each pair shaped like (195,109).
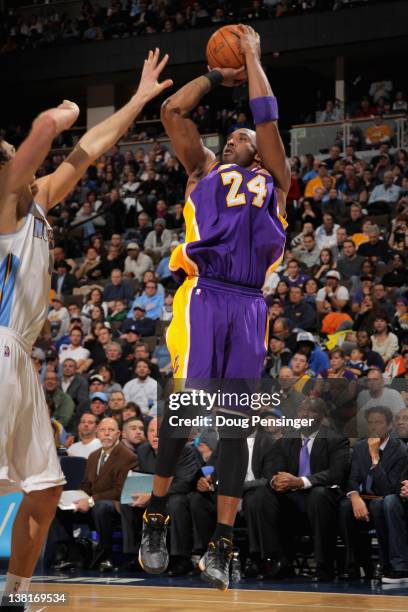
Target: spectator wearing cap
(58,315)
(278,355)
(136,262)
(158,240)
(307,252)
(383,341)
(99,404)
(76,351)
(318,360)
(117,289)
(76,315)
(140,323)
(349,262)
(114,358)
(151,300)
(398,275)
(299,312)
(317,182)
(143,389)
(333,297)
(62,281)
(88,441)
(74,385)
(129,338)
(375,248)
(326,234)
(64,405)
(293,275)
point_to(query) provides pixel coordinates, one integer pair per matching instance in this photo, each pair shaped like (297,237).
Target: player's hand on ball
(232,76)
(249,40)
(149,86)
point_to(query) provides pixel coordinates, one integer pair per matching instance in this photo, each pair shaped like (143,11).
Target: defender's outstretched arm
(20,169)
(98,140)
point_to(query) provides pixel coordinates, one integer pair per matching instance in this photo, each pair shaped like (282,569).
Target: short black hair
(386,412)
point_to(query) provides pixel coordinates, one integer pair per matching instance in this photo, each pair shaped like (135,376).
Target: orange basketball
(223,48)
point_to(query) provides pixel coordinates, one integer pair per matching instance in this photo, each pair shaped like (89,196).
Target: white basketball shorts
(28,457)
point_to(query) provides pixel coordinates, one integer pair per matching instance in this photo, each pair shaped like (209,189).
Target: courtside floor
(131,592)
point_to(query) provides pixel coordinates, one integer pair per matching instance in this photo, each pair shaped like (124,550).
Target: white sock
(16,584)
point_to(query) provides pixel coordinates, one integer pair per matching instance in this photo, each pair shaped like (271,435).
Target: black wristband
(215,77)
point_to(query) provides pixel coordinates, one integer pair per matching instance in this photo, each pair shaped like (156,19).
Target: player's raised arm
(182,131)
(98,140)
(265,111)
(18,171)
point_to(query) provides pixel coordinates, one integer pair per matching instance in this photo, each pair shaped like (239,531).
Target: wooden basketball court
(156,598)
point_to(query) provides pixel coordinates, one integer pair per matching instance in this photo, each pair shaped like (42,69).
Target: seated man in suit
(180,546)
(309,467)
(105,474)
(396,516)
(376,467)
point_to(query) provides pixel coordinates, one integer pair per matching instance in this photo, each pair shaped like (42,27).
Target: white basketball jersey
(26,264)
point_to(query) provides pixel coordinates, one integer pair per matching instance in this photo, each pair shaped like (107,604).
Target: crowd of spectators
(338,321)
(382,100)
(125,18)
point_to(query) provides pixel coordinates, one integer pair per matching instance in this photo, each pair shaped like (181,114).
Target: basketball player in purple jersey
(235,231)
(28,459)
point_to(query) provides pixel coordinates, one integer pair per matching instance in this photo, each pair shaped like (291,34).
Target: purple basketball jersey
(234,232)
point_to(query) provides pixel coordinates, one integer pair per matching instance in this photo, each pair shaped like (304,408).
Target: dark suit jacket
(186,469)
(108,483)
(329,459)
(70,282)
(262,460)
(78,391)
(388,473)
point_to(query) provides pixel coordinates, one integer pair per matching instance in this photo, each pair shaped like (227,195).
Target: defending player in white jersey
(28,460)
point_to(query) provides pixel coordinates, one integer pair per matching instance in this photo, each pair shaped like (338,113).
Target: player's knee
(44,503)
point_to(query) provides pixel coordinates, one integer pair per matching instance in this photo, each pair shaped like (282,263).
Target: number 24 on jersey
(256,185)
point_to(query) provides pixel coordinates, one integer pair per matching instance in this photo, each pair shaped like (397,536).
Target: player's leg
(33,466)
(30,529)
(195,344)
(243,366)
